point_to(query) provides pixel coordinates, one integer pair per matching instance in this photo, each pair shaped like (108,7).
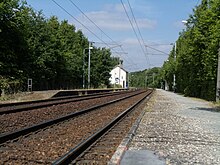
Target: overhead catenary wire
(158,54)
(93,22)
(74,4)
(141,34)
(136,22)
(138,30)
(80,23)
(86,27)
(133,28)
(156,50)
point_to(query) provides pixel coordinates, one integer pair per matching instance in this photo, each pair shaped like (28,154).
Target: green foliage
(100,66)
(46,50)
(195,66)
(9,85)
(146,78)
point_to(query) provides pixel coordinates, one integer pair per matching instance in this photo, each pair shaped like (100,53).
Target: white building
(119,76)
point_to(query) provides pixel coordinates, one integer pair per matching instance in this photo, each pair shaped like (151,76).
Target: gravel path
(181,130)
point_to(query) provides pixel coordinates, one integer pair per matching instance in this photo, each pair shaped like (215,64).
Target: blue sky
(159,22)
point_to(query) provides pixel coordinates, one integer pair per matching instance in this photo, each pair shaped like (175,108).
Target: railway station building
(119,77)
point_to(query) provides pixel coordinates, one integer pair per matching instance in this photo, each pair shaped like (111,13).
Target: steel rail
(74,153)
(54,98)
(13,135)
(62,101)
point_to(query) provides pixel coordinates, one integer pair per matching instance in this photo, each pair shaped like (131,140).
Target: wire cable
(135,22)
(93,22)
(134,31)
(81,23)
(156,50)
(98,27)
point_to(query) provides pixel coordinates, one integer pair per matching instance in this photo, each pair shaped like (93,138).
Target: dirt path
(28,96)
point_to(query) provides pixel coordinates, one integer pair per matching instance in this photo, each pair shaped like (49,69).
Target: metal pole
(128,81)
(83,68)
(218,77)
(153,78)
(174,76)
(119,72)
(146,81)
(89,67)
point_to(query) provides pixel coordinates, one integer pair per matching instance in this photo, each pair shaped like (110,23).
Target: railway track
(50,143)
(19,120)
(8,108)
(100,147)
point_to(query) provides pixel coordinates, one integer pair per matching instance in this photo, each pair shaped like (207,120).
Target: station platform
(172,130)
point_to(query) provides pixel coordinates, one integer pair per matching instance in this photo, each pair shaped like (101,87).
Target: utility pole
(128,83)
(84,68)
(153,78)
(119,72)
(174,76)
(90,47)
(218,77)
(146,81)
(89,67)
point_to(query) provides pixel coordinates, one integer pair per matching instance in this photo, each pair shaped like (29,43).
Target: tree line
(146,78)
(194,60)
(194,57)
(50,52)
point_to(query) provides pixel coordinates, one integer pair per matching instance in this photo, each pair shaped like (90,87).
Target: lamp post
(90,47)
(84,68)
(174,75)
(146,81)
(218,77)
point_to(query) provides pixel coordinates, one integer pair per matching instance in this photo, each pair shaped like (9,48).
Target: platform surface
(141,157)
(175,130)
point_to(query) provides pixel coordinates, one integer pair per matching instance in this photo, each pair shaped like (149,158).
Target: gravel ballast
(179,130)
(47,145)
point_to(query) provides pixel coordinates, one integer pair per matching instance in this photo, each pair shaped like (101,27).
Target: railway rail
(49,143)
(11,135)
(100,146)
(19,120)
(8,108)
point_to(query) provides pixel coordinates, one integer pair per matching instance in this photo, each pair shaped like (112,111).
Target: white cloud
(115,19)
(130,41)
(112,19)
(116,8)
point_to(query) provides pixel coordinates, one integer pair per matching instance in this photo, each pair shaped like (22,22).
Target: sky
(159,24)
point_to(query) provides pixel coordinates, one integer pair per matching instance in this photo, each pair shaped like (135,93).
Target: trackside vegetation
(47,50)
(197,47)
(50,51)
(194,62)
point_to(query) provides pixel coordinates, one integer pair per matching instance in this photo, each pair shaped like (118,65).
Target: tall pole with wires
(90,47)
(218,77)
(174,75)
(84,68)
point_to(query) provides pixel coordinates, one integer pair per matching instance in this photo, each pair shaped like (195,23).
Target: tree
(196,55)
(13,46)
(47,50)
